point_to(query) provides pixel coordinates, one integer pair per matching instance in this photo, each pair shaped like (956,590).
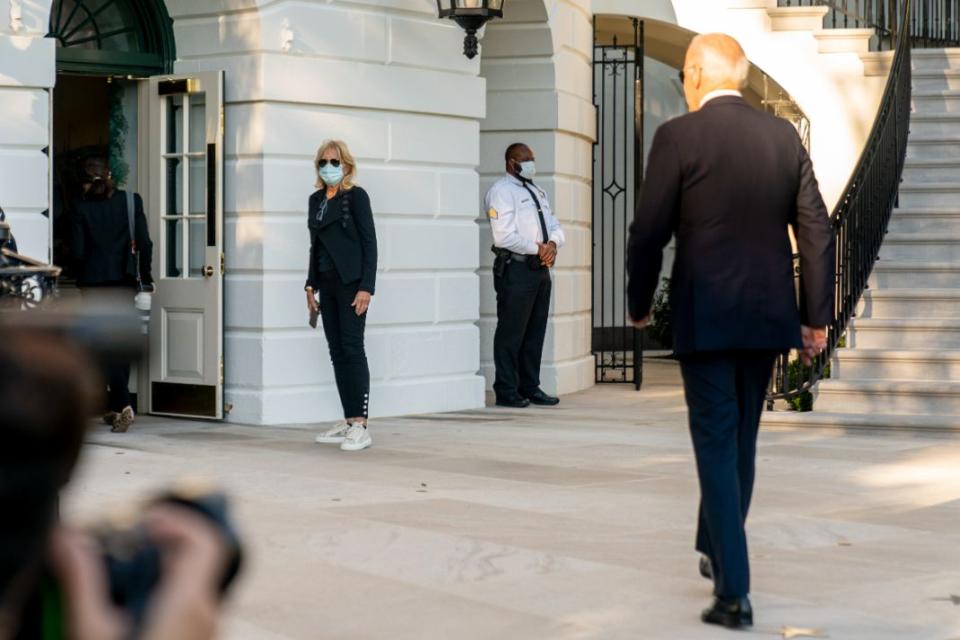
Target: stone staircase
(901,364)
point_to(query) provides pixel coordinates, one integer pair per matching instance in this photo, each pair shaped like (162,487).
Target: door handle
(207,271)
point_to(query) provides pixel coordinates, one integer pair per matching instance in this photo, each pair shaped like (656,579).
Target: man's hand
(642,322)
(548,253)
(814,343)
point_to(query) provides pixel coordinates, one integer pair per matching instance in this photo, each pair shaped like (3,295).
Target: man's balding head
(714,61)
(515,154)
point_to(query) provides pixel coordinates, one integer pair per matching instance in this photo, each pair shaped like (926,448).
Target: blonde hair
(346,161)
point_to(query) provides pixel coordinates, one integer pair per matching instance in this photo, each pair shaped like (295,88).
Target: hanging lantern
(470,15)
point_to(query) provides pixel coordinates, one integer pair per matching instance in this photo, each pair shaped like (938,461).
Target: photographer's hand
(78,565)
(186,605)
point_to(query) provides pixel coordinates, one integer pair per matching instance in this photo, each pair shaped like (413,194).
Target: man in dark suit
(728,180)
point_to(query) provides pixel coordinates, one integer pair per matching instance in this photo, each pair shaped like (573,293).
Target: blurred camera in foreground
(159,573)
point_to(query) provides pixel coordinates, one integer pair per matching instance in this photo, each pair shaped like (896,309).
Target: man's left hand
(644,321)
(548,254)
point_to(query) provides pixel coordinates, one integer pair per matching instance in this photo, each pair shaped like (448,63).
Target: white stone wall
(27,72)
(537,63)
(389,80)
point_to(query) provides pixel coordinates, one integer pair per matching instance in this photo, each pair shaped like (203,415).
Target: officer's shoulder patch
(492,213)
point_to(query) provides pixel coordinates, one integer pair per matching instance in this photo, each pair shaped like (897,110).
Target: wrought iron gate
(617,176)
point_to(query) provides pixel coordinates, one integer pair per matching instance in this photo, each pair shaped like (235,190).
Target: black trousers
(725,392)
(523,307)
(115,371)
(344,331)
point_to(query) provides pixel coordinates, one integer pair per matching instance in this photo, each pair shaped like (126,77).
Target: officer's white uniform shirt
(513,216)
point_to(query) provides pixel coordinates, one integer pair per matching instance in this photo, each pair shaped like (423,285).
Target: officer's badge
(492,213)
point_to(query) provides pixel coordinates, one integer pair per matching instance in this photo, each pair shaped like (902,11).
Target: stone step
(937,80)
(933,147)
(930,194)
(931,169)
(797,18)
(847,41)
(818,419)
(927,220)
(933,125)
(909,303)
(877,63)
(921,247)
(884,364)
(889,274)
(935,59)
(904,333)
(897,397)
(935,101)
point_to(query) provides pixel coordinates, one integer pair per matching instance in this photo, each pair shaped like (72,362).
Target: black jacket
(728,180)
(100,241)
(348,234)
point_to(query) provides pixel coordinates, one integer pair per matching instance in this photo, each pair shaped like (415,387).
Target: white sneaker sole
(322,439)
(356,446)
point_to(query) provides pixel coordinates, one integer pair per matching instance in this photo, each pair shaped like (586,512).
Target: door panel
(186,204)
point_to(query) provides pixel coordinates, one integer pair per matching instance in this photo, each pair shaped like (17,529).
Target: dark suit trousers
(725,393)
(523,308)
(344,330)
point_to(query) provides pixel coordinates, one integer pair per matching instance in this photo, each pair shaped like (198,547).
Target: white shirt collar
(719,93)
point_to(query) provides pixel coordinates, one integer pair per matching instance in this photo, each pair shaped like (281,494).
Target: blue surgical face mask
(528,169)
(331,175)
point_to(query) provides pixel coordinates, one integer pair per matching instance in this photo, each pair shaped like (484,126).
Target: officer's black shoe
(732,614)
(513,401)
(539,397)
(706,569)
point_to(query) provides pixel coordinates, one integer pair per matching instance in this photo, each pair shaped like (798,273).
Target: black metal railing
(861,217)
(932,24)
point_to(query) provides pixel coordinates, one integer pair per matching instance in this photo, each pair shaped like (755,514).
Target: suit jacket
(100,241)
(727,180)
(348,234)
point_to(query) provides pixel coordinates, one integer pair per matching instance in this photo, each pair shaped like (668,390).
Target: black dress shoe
(732,614)
(515,401)
(539,397)
(706,568)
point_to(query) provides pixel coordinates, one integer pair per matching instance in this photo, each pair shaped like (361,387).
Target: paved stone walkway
(567,523)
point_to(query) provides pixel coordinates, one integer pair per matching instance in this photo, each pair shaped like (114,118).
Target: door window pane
(175,124)
(174,248)
(198,122)
(174,195)
(198,186)
(198,246)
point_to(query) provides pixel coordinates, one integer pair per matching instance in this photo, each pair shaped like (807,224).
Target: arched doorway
(112,37)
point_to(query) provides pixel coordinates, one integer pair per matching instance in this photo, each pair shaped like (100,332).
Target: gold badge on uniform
(492,213)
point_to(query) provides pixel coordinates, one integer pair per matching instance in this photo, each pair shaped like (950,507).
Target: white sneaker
(358,437)
(334,435)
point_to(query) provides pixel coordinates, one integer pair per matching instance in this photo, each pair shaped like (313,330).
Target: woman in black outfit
(110,261)
(342,274)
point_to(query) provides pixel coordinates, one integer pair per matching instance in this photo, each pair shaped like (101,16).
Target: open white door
(186,223)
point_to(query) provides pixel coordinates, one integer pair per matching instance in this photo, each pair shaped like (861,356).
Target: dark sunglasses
(324,162)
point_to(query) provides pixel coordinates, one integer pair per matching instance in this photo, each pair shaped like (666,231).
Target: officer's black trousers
(344,331)
(523,306)
(725,392)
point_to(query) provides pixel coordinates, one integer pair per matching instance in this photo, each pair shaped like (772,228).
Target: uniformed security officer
(526,237)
